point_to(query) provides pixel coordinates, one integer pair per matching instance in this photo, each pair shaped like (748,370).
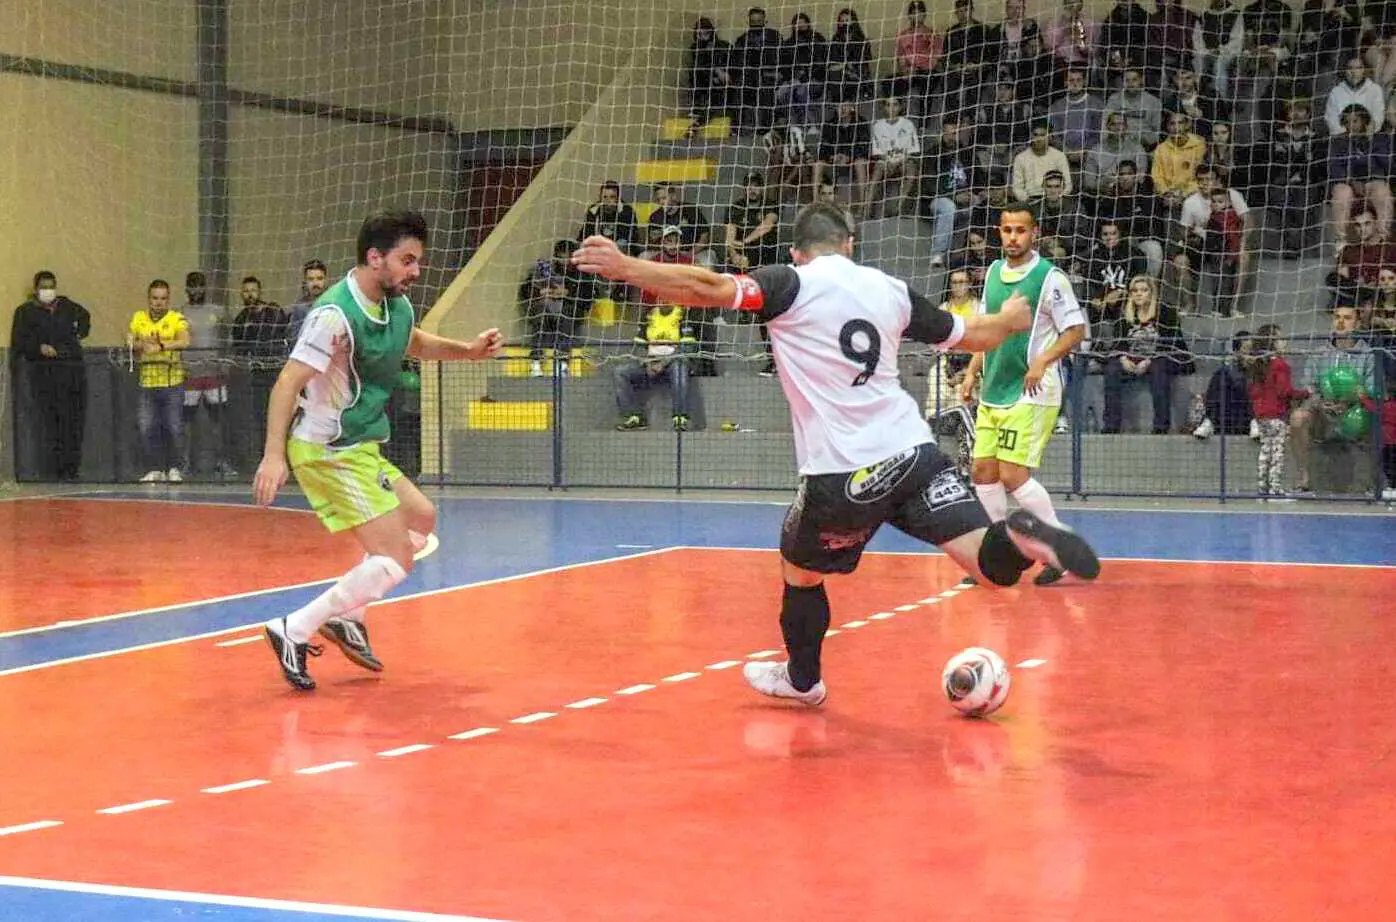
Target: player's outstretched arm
(432,348)
(690,286)
(985,331)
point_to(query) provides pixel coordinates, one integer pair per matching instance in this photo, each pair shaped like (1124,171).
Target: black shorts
(918,491)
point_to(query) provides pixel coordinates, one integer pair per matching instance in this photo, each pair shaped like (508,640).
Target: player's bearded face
(1017,237)
(397,269)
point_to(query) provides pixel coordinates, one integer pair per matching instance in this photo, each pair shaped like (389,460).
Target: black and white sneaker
(352,638)
(1056,546)
(291,655)
(1048,576)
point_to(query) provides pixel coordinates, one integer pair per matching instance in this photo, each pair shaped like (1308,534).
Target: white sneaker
(562,368)
(535,370)
(174,476)
(773,680)
(153,477)
(1061,427)
(1389,494)
(1204,429)
(1255,429)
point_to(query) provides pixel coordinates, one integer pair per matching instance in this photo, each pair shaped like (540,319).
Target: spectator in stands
(554,305)
(1177,162)
(1142,110)
(206,373)
(1272,392)
(1355,89)
(966,51)
(1328,30)
(1101,162)
(1125,35)
(709,74)
(1217,40)
(984,216)
(1385,413)
(1227,401)
(1196,212)
(1230,162)
(666,341)
(845,146)
(1316,420)
(1014,45)
(829,195)
(1359,161)
(1223,251)
(1033,164)
(159,336)
(250,292)
(918,52)
(1062,223)
(849,76)
(1378,323)
(314,280)
(753,240)
(1360,264)
(974,257)
(610,217)
(1178,284)
(46,338)
(896,147)
(1071,38)
(1001,131)
(702,363)
(1170,36)
(803,56)
(1188,97)
(1075,118)
(944,408)
(1298,171)
(790,160)
(1130,202)
(757,66)
(689,219)
(1380,51)
(1146,344)
(1108,267)
(952,184)
(260,333)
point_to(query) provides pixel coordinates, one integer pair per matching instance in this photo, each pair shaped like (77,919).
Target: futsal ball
(976,682)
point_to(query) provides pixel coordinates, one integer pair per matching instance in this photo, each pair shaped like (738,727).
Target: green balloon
(1340,383)
(409,381)
(1355,422)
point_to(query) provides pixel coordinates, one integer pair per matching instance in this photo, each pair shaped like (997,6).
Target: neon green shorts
(346,487)
(1016,434)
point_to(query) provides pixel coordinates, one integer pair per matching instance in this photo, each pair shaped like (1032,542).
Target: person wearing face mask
(46,337)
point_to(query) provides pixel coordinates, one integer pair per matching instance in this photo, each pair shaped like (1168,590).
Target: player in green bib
(327,416)
(1020,381)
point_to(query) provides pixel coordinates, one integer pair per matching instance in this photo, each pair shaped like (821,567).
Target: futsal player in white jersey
(866,457)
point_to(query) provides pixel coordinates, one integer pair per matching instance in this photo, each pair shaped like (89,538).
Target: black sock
(999,558)
(804,617)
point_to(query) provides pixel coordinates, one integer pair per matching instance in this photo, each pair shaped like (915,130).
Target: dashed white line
(763,654)
(132,808)
(933,600)
(884,615)
(327,767)
(239,641)
(635,689)
(585,703)
(404,750)
(855,624)
(236,786)
(725,664)
(905,608)
(681,677)
(832,631)
(1031,663)
(29,827)
(473,734)
(533,718)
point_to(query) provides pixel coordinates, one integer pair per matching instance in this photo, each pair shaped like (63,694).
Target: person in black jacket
(709,73)
(1146,343)
(46,339)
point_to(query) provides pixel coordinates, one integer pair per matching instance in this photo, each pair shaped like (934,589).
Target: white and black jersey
(835,329)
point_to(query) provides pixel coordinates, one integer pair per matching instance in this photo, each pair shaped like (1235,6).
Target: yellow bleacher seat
(675,128)
(719,129)
(643,210)
(515,363)
(698,169)
(510,415)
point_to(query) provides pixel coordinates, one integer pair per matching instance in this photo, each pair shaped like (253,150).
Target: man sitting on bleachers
(694,230)
(666,341)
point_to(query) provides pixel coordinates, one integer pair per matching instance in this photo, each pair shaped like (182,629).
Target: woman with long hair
(1146,344)
(849,75)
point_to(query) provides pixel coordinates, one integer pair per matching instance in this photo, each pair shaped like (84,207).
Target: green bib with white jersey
(1001,382)
(375,361)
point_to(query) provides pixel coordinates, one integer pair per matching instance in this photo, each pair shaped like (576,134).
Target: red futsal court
(1199,741)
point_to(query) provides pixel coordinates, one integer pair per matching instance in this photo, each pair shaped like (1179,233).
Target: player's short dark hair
(252,278)
(1019,208)
(44,275)
(820,225)
(314,264)
(383,230)
(157,283)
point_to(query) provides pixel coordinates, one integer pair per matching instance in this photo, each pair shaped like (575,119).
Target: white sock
(366,583)
(995,500)
(1034,497)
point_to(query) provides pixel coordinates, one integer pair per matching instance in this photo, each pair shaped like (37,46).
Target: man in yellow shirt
(158,336)
(1176,160)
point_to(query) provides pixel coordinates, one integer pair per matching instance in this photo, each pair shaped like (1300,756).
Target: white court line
(240,641)
(243,627)
(853,625)
(236,786)
(633,547)
(473,734)
(132,808)
(327,767)
(725,664)
(29,827)
(904,608)
(832,632)
(534,717)
(884,615)
(681,677)
(242,902)
(634,689)
(585,703)
(1031,663)
(763,654)
(405,750)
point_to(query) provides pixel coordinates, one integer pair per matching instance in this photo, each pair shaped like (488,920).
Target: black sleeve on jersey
(929,324)
(779,287)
